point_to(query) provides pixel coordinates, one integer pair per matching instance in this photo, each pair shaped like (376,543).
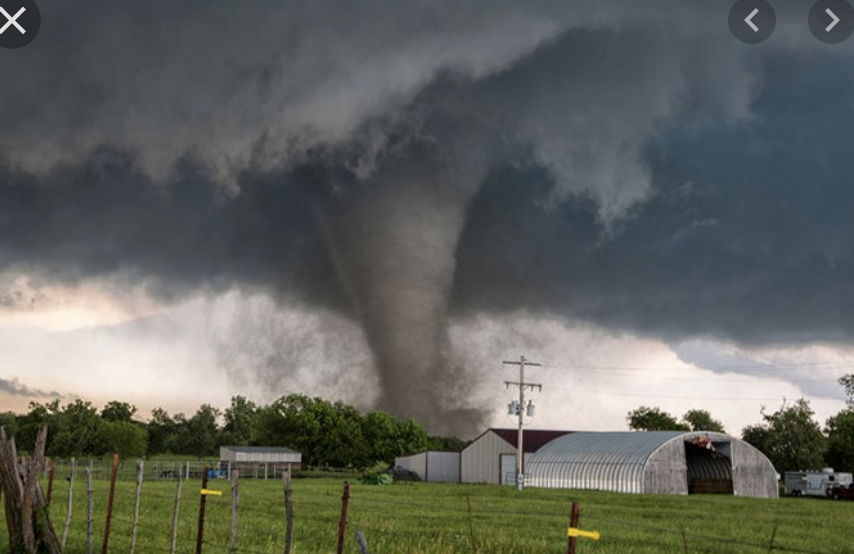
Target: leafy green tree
(328,435)
(240,422)
(380,431)
(128,439)
(32,422)
(118,411)
(77,431)
(413,437)
(702,420)
(388,438)
(199,435)
(452,444)
(840,441)
(653,419)
(9,422)
(161,431)
(790,437)
(760,437)
(847,382)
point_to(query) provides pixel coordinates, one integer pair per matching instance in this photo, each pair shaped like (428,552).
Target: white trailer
(815,483)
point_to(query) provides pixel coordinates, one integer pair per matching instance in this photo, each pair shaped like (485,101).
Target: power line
(842,366)
(637,371)
(671,397)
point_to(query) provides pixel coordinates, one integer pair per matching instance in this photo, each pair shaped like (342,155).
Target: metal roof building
(260,460)
(432,466)
(656,463)
(491,457)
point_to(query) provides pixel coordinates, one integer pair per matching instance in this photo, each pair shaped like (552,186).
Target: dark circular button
(831,21)
(752,21)
(20,21)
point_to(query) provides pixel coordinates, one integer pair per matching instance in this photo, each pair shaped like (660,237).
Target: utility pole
(520,411)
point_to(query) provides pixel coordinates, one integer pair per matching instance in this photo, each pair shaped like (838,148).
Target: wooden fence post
(27,519)
(90,513)
(573,523)
(363,544)
(110,499)
(175,512)
(235,502)
(289,513)
(202,502)
(70,503)
(140,468)
(32,467)
(50,476)
(342,523)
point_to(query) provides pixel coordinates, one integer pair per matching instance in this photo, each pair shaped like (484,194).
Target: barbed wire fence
(89,522)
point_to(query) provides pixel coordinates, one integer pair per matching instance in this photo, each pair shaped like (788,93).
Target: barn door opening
(709,467)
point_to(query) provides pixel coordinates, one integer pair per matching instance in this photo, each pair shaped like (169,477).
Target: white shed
(491,457)
(260,460)
(432,466)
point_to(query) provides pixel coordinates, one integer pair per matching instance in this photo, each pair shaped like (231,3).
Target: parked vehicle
(816,483)
(842,492)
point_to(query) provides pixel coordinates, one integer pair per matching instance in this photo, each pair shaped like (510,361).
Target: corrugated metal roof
(622,447)
(602,461)
(261,449)
(533,440)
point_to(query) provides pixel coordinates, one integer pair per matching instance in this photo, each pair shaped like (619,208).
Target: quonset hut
(654,463)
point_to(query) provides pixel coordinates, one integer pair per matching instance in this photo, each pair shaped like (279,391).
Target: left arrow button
(749,20)
(752,21)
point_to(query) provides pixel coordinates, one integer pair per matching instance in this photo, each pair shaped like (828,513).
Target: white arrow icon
(835,20)
(749,19)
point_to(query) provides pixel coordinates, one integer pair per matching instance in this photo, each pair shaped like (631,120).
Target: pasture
(434,518)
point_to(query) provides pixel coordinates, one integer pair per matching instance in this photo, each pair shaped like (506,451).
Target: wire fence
(199,511)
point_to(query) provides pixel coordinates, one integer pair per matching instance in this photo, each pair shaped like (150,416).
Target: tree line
(327,434)
(790,436)
(337,435)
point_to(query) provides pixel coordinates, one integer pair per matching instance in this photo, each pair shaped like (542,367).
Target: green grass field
(416,518)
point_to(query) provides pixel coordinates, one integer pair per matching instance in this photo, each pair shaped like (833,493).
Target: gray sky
(379,202)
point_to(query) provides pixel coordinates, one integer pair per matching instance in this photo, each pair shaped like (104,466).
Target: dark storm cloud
(13,387)
(747,235)
(106,218)
(601,160)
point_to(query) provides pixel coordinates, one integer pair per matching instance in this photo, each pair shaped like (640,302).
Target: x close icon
(20,21)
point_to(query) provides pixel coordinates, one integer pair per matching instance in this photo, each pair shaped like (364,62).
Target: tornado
(394,243)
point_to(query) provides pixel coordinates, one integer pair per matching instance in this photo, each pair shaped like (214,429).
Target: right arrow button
(831,21)
(835,20)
